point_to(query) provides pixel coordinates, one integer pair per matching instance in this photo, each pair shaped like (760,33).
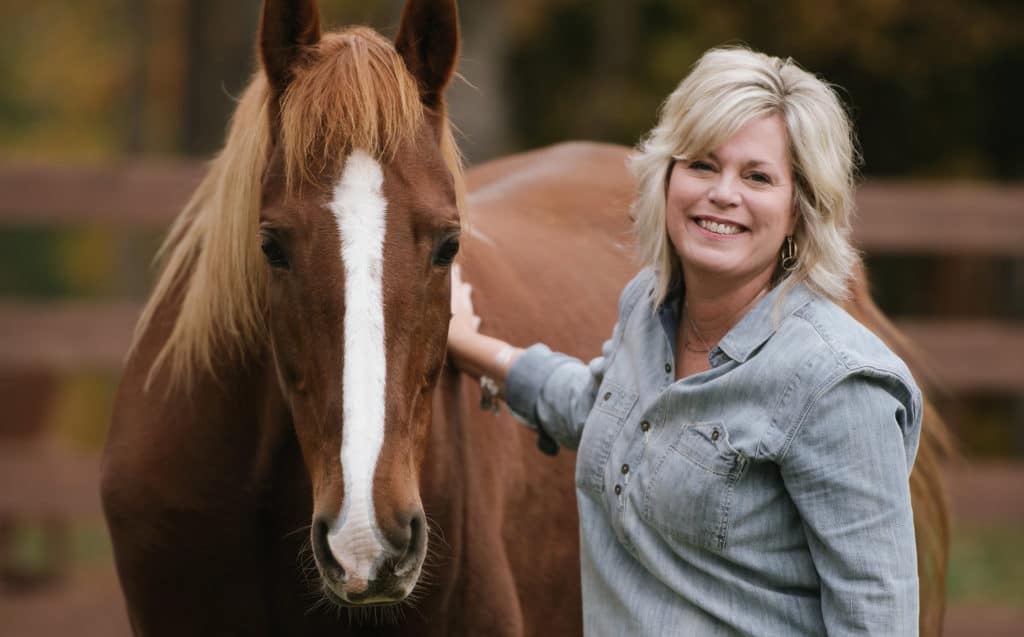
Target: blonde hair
(727,88)
(354,92)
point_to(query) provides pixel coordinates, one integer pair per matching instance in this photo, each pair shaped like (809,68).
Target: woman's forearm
(480,355)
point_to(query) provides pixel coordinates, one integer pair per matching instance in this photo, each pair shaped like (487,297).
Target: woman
(744,445)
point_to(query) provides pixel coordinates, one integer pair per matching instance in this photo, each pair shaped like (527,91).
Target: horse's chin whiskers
(376,616)
(416,595)
(322,602)
(302,529)
(307,564)
(434,530)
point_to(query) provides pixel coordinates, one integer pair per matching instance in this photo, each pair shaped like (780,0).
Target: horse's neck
(445,462)
(234,414)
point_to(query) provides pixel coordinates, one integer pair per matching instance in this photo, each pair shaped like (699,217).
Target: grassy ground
(986,584)
(987,565)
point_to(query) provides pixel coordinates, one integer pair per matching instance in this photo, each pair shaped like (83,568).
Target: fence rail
(894,217)
(964,356)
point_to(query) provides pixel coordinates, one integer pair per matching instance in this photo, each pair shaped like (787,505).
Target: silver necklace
(693,328)
(696,332)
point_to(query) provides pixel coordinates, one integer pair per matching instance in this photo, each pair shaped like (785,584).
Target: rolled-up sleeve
(554,392)
(847,470)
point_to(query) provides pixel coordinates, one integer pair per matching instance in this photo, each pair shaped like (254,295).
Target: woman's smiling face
(728,212)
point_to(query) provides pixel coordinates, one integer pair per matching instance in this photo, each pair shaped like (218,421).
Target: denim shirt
(768,495)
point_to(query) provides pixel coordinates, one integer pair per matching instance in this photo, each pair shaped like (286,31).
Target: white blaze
(359,209)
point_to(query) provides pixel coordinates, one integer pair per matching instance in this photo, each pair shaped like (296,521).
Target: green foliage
(41,548)
(64,65)
(930,85)
(927,83)
(69,261)
(987,565)
(30,255)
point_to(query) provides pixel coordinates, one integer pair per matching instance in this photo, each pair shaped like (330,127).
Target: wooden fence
(960,219)
(44,339)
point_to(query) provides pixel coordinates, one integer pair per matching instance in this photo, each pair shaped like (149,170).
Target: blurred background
(109,108)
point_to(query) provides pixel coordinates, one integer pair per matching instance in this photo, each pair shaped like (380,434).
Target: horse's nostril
(322,552)
(415,530)
(414,549)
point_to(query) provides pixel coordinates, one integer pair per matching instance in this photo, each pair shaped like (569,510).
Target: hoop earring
(789,254)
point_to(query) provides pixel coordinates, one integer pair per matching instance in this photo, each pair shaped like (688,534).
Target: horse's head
(359,225)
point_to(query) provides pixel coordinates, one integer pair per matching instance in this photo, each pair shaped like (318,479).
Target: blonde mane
(353,92)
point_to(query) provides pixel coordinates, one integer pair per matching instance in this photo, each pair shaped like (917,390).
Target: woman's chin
(730,269)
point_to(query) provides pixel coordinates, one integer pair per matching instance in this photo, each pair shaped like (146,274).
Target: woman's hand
(464,323)
(470,351)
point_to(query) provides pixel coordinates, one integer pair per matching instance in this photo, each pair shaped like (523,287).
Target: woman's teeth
(718,228)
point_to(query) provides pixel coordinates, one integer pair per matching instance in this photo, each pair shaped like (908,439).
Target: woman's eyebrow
(750,163)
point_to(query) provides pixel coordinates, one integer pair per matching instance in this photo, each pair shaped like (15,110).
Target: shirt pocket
(611,408)
(689,492)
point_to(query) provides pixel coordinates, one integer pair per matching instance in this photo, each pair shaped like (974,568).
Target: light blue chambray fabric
(768,495)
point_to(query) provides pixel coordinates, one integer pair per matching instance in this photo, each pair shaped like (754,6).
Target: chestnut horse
(287,448)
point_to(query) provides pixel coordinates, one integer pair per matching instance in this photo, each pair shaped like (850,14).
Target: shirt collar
(760,323)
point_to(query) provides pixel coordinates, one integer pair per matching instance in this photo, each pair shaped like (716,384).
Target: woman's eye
(700,165)
(760,178)
(445,252)
(273,251)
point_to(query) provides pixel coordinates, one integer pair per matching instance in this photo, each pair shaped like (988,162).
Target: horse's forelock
(354,92)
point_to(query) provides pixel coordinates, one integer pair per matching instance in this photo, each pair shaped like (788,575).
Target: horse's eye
(273,251)
(445,252)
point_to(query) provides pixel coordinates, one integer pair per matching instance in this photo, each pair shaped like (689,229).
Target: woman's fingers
(456,288)
(463,317)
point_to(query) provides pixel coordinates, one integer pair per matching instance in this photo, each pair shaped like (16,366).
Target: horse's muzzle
(352,576)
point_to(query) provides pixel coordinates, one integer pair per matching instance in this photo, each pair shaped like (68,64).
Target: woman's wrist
(460,348)
(480,355)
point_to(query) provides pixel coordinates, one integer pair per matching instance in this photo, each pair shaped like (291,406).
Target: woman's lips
(718,229)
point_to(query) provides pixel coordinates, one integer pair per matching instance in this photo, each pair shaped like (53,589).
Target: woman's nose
(723,193)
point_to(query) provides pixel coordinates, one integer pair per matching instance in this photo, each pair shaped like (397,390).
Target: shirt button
(668,368)
(714,435)
(625,469)
(644,426)
(607,395)
(618,489)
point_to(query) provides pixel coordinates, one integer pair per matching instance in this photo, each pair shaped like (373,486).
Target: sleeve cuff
(526,379)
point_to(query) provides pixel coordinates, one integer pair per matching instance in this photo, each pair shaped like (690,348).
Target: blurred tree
(477,99)
(219,58)
(929,84)
(926,82)
(63,70)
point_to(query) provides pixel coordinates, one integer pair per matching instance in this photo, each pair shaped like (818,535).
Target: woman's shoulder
(842,365)
(639,289)
(842,352)
(852,346)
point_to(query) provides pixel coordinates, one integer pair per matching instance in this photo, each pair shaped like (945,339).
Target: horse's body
(210,486)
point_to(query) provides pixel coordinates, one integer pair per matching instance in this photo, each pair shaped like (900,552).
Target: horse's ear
(428,41)
(287,29)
